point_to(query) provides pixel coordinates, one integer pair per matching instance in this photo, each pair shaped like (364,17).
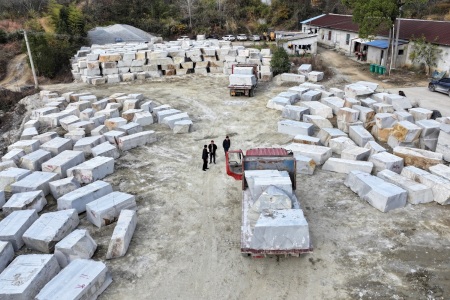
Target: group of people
(210,150)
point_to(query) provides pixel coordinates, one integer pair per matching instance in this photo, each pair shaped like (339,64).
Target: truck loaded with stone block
(272,221)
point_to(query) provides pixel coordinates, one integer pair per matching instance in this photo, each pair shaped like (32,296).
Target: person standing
(226,144)
(205,158)
(212,152)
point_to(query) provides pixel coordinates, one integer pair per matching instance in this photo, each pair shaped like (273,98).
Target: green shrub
(280,61)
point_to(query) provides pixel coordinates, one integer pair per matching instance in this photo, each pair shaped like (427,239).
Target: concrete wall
(337,38)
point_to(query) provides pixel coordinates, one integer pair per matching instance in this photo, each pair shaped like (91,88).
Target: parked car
(242,37)
(255,37)
(229,37)
(212,36)
(440,85)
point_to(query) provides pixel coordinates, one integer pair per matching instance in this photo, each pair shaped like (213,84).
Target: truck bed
(246,232)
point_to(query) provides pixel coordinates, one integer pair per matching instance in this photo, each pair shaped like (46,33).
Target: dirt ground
(186,244)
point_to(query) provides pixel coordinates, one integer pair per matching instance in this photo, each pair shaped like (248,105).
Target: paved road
(427,99)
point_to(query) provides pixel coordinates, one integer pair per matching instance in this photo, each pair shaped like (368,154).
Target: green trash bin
(372,68)
(377,69)
(382,70)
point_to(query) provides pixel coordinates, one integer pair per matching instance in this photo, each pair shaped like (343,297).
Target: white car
(255,37)
(229,37)
(241,37)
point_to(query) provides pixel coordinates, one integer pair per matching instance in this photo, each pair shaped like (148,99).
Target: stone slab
(63,162)
(13,155)
(36,181)
(107,150)
(294,127)
(355,153)
(184,126)
(78,198)
(318,153)
(27,145)
(417,192)
(82,279)
(278,103)
(91,170)
(380,194)
(341,143)
(57,145)
(386,160)
(6,254)
(34,160)
(49,229)
(28,133)
(7,164)
(360,135)
(317,108)
(113,123)
(78,244)
(106,210)
(138,139)
(345,166)
(440,170)
(306,139)
(304,164)
(87,143)
(25,201)
(122,234)
(326,134)
(45,137)
(27,275)
(294,112)
(59,188)
(15,224)
(10,176)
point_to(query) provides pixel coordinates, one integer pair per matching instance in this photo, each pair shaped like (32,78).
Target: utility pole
(36,84)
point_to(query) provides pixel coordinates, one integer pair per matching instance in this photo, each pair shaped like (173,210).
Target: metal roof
(382,44)
(436,32)
(266,152)
(311,19)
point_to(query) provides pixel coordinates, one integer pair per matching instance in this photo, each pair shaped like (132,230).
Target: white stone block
(299,90)
(32,123)
(161,115)
(65,122)
(78,198)
(106,209)
(380,194)
(304,164)
(440,186)
(59,188)
(36,181)
(184,126)
(13,155)
(87,143)
(319,122)
(122,234)
(37,113)
(171,120)
(45,137)
(82,279)
(440,170)
(355,153)
(91,170)
(305,139)
(290,77)
(335,103)
(7,164)
(57,145)
(28,145)
(114,123)
(347,115)
(326,134)
(385,120)
(137,139)
(317,108)
(99,130)
(10,176)
(78,244)
(49,229)
(294,127)
(294,112)
(315,76)
(357,90)
(130,128)
(27,275)
(420,113)
(383,108)
(360,135)
(417,192)
(33,161)
(113,136)
(106,150)
(341,165)
(318,153)
(367,102)
(304,69)
(6,254)
(386,160)
(340,143)
(374,147)
(76,135)
(292,96)
(15,224)
(63,161)
(278,103)
(311,96)
(87,126)
(28,133)
(25,201)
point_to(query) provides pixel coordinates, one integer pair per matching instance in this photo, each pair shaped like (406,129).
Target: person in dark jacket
(205,158)
(212,152)
(226,144)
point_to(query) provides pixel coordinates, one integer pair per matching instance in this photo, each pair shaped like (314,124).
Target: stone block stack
(114,63)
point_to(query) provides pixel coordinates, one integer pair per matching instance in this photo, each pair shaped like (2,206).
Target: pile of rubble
(125,62)
(413,171)
(71,169)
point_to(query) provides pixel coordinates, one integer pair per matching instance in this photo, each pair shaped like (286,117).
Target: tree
(280,61)
(424,52)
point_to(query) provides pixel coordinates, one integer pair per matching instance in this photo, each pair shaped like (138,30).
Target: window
(329,35)
(347,39)
(400,51)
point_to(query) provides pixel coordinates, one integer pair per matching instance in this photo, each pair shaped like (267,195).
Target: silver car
(229,37)
(241,37)
(255,37)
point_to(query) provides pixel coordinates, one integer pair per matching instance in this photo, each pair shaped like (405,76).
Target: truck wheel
(231,93)
(251,93)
